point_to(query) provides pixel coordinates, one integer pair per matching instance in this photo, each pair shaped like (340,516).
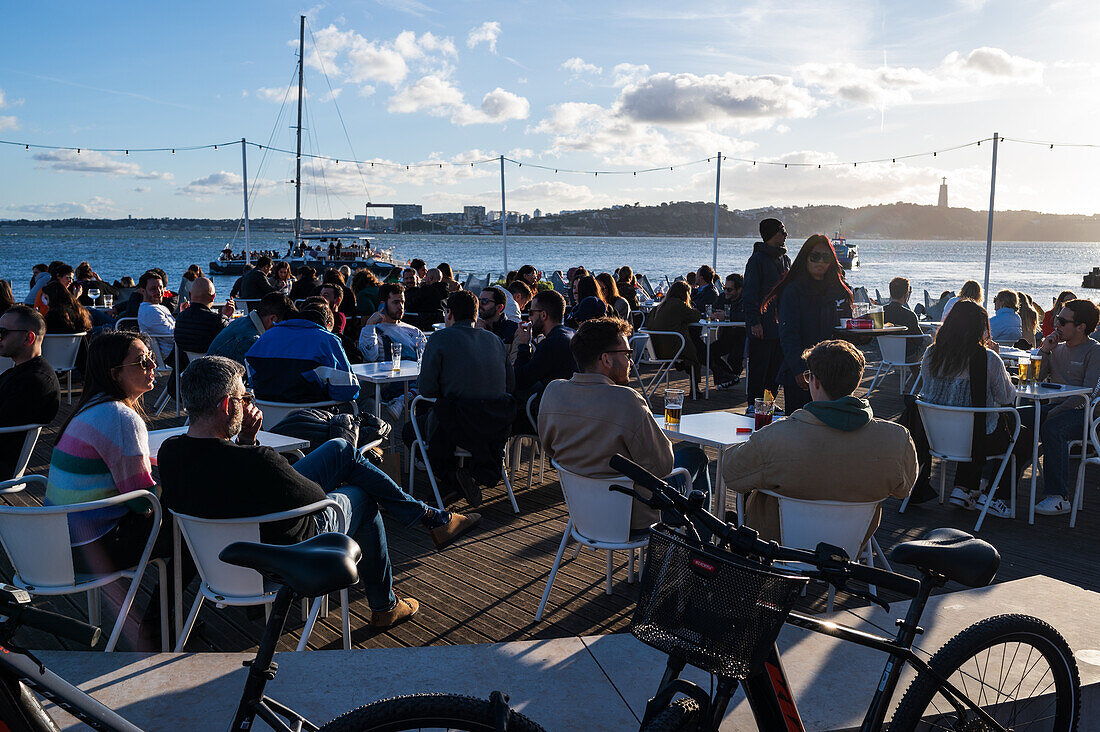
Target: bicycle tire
(427,711)
(682,715)
(979,643)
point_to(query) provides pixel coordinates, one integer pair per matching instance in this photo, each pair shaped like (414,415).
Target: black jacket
(254,285)
(197,327)
(479,426)
(552,359)
(809,313)
(763,270)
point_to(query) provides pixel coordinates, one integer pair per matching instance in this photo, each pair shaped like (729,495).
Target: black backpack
(318,427)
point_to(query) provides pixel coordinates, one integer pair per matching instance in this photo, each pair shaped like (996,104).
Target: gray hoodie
(40,281)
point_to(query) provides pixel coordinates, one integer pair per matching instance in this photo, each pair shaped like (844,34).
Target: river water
(1042,269)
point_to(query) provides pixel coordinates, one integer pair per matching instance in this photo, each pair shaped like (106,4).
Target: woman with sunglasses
(960,370)
(812,298)
(103,451)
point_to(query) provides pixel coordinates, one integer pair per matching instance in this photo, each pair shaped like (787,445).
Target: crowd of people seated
(483,354)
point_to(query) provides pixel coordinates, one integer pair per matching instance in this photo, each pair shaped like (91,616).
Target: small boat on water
(847,254)
(321,250)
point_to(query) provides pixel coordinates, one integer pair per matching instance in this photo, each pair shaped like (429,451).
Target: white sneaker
(962,498)
(997,508)
(1053,506)
(394,409)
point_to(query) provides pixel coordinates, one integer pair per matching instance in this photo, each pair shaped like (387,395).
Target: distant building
(473,214)
(407,211)
(537,214)
(943,194)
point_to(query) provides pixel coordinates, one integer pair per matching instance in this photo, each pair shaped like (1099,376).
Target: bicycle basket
(718,611)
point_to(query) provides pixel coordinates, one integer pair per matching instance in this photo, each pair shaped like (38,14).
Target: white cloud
(487,32)
(96,206)
(9,122)
(677,99)
(562,194)
(411,47)
(629,73)
(347,55)
(275,94)
(578,66)
(90,162)
(982,71)
(224,182)
(412,7)
(439,97)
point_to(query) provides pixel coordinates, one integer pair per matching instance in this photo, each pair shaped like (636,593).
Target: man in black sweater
(205,474)
(767,265)
(29,392)
(551,359)
(254,282)
(897,312)
(198,325)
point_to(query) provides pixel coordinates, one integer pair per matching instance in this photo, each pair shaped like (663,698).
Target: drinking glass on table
(763,413)
(93,295)
(709,311)
(395,353)
(674,406)
(1023,369)
(108,300)
(419,354)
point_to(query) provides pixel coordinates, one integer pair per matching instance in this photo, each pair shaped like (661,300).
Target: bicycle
(720,608)
(318,566)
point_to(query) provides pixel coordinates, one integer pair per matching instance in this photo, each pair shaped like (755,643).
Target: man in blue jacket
(299,360)
(767,265)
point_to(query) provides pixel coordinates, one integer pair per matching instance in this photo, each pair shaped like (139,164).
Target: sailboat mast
(298,164)
(244,180)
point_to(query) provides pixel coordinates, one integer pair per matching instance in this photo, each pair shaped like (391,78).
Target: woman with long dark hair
(610,292)
(627,286)
(103,451)
(590,302)
(280,277)
(193,273)
(65,314)
(952,373)
(7,299)
(812,299)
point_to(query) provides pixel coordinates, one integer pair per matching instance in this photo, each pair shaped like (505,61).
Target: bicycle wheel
(427,712)
(1015,667)
(681,715)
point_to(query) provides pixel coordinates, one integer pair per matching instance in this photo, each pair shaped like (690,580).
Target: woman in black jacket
(812,299)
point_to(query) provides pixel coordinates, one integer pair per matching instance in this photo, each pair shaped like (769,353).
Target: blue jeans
(336,463)
(1056,432)
(692,458)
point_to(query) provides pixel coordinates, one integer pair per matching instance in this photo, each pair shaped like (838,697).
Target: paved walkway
(580,683)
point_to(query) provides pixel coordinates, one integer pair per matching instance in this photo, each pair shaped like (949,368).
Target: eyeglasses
(536,310)
(1063,321)
(148,361)
(807,375)
(4,331)
(621,350)
(246,398)
(819,257)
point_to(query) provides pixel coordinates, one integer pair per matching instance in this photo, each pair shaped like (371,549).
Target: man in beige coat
(595,414)
(831,449)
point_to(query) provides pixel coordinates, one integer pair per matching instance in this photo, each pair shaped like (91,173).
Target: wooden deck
(486,586)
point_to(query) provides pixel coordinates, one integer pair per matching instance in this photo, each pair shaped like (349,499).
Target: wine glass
(93,294)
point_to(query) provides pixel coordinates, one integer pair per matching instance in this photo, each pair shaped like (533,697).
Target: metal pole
(503,217)
(989,229)
(717,192)
(298,164)
(244,178)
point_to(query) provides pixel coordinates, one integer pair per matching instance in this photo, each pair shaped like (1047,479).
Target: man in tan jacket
(595,414)
(831,449)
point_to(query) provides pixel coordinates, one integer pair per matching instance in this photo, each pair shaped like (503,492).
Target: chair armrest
(18,484)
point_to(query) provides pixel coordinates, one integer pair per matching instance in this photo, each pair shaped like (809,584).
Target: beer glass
(1023,370)
(395,352)
(674,406)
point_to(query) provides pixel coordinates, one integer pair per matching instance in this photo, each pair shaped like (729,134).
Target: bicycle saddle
(952,553)
(312,568)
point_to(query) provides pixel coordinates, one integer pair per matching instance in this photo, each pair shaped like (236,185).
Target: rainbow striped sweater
(103,452)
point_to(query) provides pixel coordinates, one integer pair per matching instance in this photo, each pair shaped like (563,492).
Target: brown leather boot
(402,611)
(456,527)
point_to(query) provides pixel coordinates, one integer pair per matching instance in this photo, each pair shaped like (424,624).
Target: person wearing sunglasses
(1072,358)
(103,451)
(812,298)
(29,391)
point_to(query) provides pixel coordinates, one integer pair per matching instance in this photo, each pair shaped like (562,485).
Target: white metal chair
(645,355)
(229,585)
(1089,447)
(247,306)
(257,321)
(127,324)
(895,356)
(30,438)
(950,432)
(805,523)
(515,447)
(598,519)
(421,444)
(275,412)
(163,370)
(36,540)
(60,350)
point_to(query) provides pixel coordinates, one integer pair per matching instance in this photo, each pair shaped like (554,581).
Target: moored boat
(847,254)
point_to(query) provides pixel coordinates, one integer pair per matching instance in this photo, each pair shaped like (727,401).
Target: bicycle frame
(16,667)
(768,692)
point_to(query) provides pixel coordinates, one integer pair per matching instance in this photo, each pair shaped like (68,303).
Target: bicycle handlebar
(14,606)
(833,562)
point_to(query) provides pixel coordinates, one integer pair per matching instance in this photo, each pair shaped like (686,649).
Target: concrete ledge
(598,682)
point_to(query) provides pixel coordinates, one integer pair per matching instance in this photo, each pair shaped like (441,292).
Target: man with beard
(766,267)
(596,414)
(207,474)
(490,315)
(384,328)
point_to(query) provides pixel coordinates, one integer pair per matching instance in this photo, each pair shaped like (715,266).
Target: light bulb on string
(215,147)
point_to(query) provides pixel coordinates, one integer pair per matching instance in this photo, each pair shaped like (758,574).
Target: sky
(603,85)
